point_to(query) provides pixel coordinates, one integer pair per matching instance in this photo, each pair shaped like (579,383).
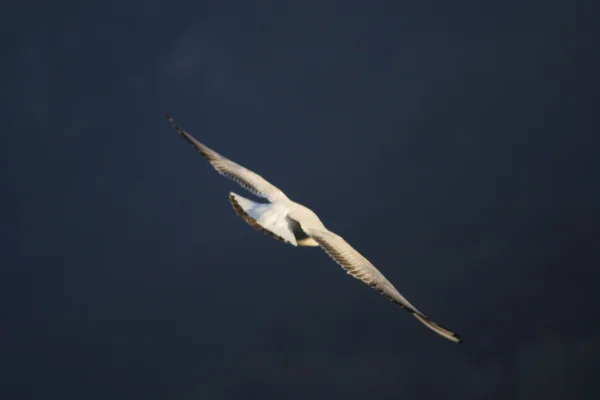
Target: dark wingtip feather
(171,120)
(178,128)
(440,330)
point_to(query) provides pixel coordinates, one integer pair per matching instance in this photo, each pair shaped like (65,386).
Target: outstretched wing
(246,178)
(359,267)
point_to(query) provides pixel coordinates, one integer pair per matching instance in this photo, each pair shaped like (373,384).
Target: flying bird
(297,225)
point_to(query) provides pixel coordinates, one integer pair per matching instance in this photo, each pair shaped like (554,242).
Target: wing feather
(249,180)
(360,268)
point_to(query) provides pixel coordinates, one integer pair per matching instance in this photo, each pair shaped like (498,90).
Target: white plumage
(297,225)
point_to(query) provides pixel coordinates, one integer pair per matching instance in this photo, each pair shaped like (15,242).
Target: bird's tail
(265,217)
(448,334)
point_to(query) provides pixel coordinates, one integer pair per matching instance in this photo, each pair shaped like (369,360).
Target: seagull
(297,225)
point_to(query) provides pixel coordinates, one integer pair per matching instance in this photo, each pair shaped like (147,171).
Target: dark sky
(454,144)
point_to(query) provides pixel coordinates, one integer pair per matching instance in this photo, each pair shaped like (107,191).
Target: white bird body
(298,225)
(278,219)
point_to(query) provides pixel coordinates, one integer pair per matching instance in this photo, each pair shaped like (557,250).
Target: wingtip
(440,330)
(173,123)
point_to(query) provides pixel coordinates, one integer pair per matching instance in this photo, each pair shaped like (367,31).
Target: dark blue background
(454,144)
